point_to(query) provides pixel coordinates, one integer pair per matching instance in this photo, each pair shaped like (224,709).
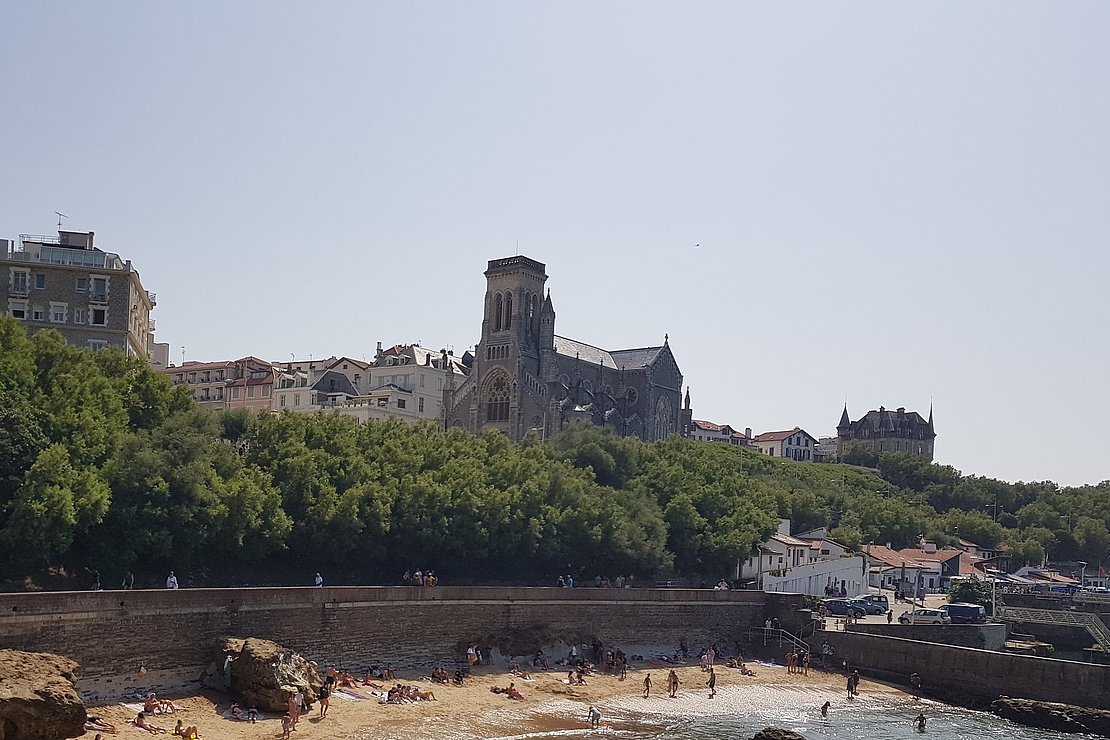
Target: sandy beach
(472,710)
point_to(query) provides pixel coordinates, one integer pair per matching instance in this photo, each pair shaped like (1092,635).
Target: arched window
(664,418)
(498,308)
(497,398)
(508,310)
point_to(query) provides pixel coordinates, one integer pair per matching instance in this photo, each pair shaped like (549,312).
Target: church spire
(845,422)
(931,429)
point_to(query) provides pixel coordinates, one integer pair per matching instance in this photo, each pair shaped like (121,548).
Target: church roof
(585,352)
(641,357)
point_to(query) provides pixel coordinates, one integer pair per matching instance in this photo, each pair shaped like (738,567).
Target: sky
(881,203)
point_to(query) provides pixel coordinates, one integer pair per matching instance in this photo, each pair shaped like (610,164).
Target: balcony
(98,297)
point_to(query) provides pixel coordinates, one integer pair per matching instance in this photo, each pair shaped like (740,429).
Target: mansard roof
(887,421)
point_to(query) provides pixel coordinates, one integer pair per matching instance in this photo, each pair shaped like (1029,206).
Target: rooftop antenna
(60,216)
(183,354)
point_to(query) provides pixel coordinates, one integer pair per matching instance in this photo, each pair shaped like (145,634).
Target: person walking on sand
(294,709)
(672,683)
(647,685)
(825,709)
(853,685)
(915,683)
(324,697)
(594,717)
(712,683)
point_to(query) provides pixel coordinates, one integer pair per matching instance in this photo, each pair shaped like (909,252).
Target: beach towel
(347,694)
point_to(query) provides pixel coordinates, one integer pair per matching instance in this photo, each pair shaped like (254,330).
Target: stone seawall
(984,636)
(970,676)
(174,633)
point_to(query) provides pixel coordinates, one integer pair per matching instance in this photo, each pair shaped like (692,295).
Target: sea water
(738,713)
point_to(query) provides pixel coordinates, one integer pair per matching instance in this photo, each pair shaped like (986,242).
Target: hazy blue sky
(894,201)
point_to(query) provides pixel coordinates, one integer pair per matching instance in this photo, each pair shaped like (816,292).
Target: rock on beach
(1053,716)
(777,733)
(264,674)
(38,697)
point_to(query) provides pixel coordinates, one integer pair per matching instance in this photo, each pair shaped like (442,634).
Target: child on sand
(647,685)
(286,726)
(595,717)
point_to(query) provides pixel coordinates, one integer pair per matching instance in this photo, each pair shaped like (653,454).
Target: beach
(549,707)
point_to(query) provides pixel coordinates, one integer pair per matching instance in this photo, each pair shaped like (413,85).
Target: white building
(814,578)
(793,444)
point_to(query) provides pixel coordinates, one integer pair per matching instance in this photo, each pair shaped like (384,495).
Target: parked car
(925,616)
(844,607)
(961,613)
(871,604)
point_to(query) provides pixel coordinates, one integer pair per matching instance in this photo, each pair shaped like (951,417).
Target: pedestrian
(293,707)
(171,580)
(915,683)
(712,683)
(853,685)
(286,726)
(319,580)
(298,699)
(672,683)
(825,709)
(324,695)
(710,656)
(570,581)
(647,685)
(595,717)
(920,722)
(129,581)
(561,583)
(227,671)
(805,663)
(889,616)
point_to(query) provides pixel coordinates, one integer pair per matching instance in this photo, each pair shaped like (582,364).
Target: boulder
(1053,716)
(777,733)
(265,675)
(38,697)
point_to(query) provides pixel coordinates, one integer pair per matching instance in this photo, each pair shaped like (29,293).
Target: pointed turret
(932,430)
(845,422)
(547,324)
(687,406)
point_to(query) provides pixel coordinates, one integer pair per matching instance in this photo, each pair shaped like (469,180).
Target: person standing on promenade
(712,683)
(647,685)
(319,580)
(171,580)
(129,581)
(570,581)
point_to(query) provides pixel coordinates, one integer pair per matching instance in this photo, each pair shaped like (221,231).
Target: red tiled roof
(779,436)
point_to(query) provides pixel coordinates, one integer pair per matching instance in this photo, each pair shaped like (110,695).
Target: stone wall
(969,676)
(174,633)
(983,636)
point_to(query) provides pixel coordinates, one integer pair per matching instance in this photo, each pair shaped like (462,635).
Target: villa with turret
(887,431)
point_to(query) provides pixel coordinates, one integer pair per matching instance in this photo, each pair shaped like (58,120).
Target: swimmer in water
(920,722)
(825,709)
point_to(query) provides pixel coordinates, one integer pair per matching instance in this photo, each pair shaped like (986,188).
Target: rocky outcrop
(1053,716)
(264,674)
(777,733)
(38,698)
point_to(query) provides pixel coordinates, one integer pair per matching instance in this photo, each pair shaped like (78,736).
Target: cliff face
(38,698)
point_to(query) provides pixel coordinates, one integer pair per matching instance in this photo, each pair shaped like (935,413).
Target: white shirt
(171,582)
(319,580)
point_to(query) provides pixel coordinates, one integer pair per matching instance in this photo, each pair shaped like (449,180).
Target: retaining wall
(984,636)
(971,676)
(175,633)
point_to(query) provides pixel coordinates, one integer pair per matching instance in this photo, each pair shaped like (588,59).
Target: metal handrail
(781,636)
(1090,622)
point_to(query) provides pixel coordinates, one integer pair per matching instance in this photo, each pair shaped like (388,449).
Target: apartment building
(708,431)
(91,297)
(226,384)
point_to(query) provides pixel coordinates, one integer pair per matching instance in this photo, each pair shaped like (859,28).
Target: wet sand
(472,711)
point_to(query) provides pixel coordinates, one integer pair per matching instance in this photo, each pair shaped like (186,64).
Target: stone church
(524,377)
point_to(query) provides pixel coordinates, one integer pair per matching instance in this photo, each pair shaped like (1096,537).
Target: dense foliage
(105,466)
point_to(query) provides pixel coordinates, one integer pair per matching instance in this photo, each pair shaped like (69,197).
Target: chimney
(901,410)
(748,432)
(930,547)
